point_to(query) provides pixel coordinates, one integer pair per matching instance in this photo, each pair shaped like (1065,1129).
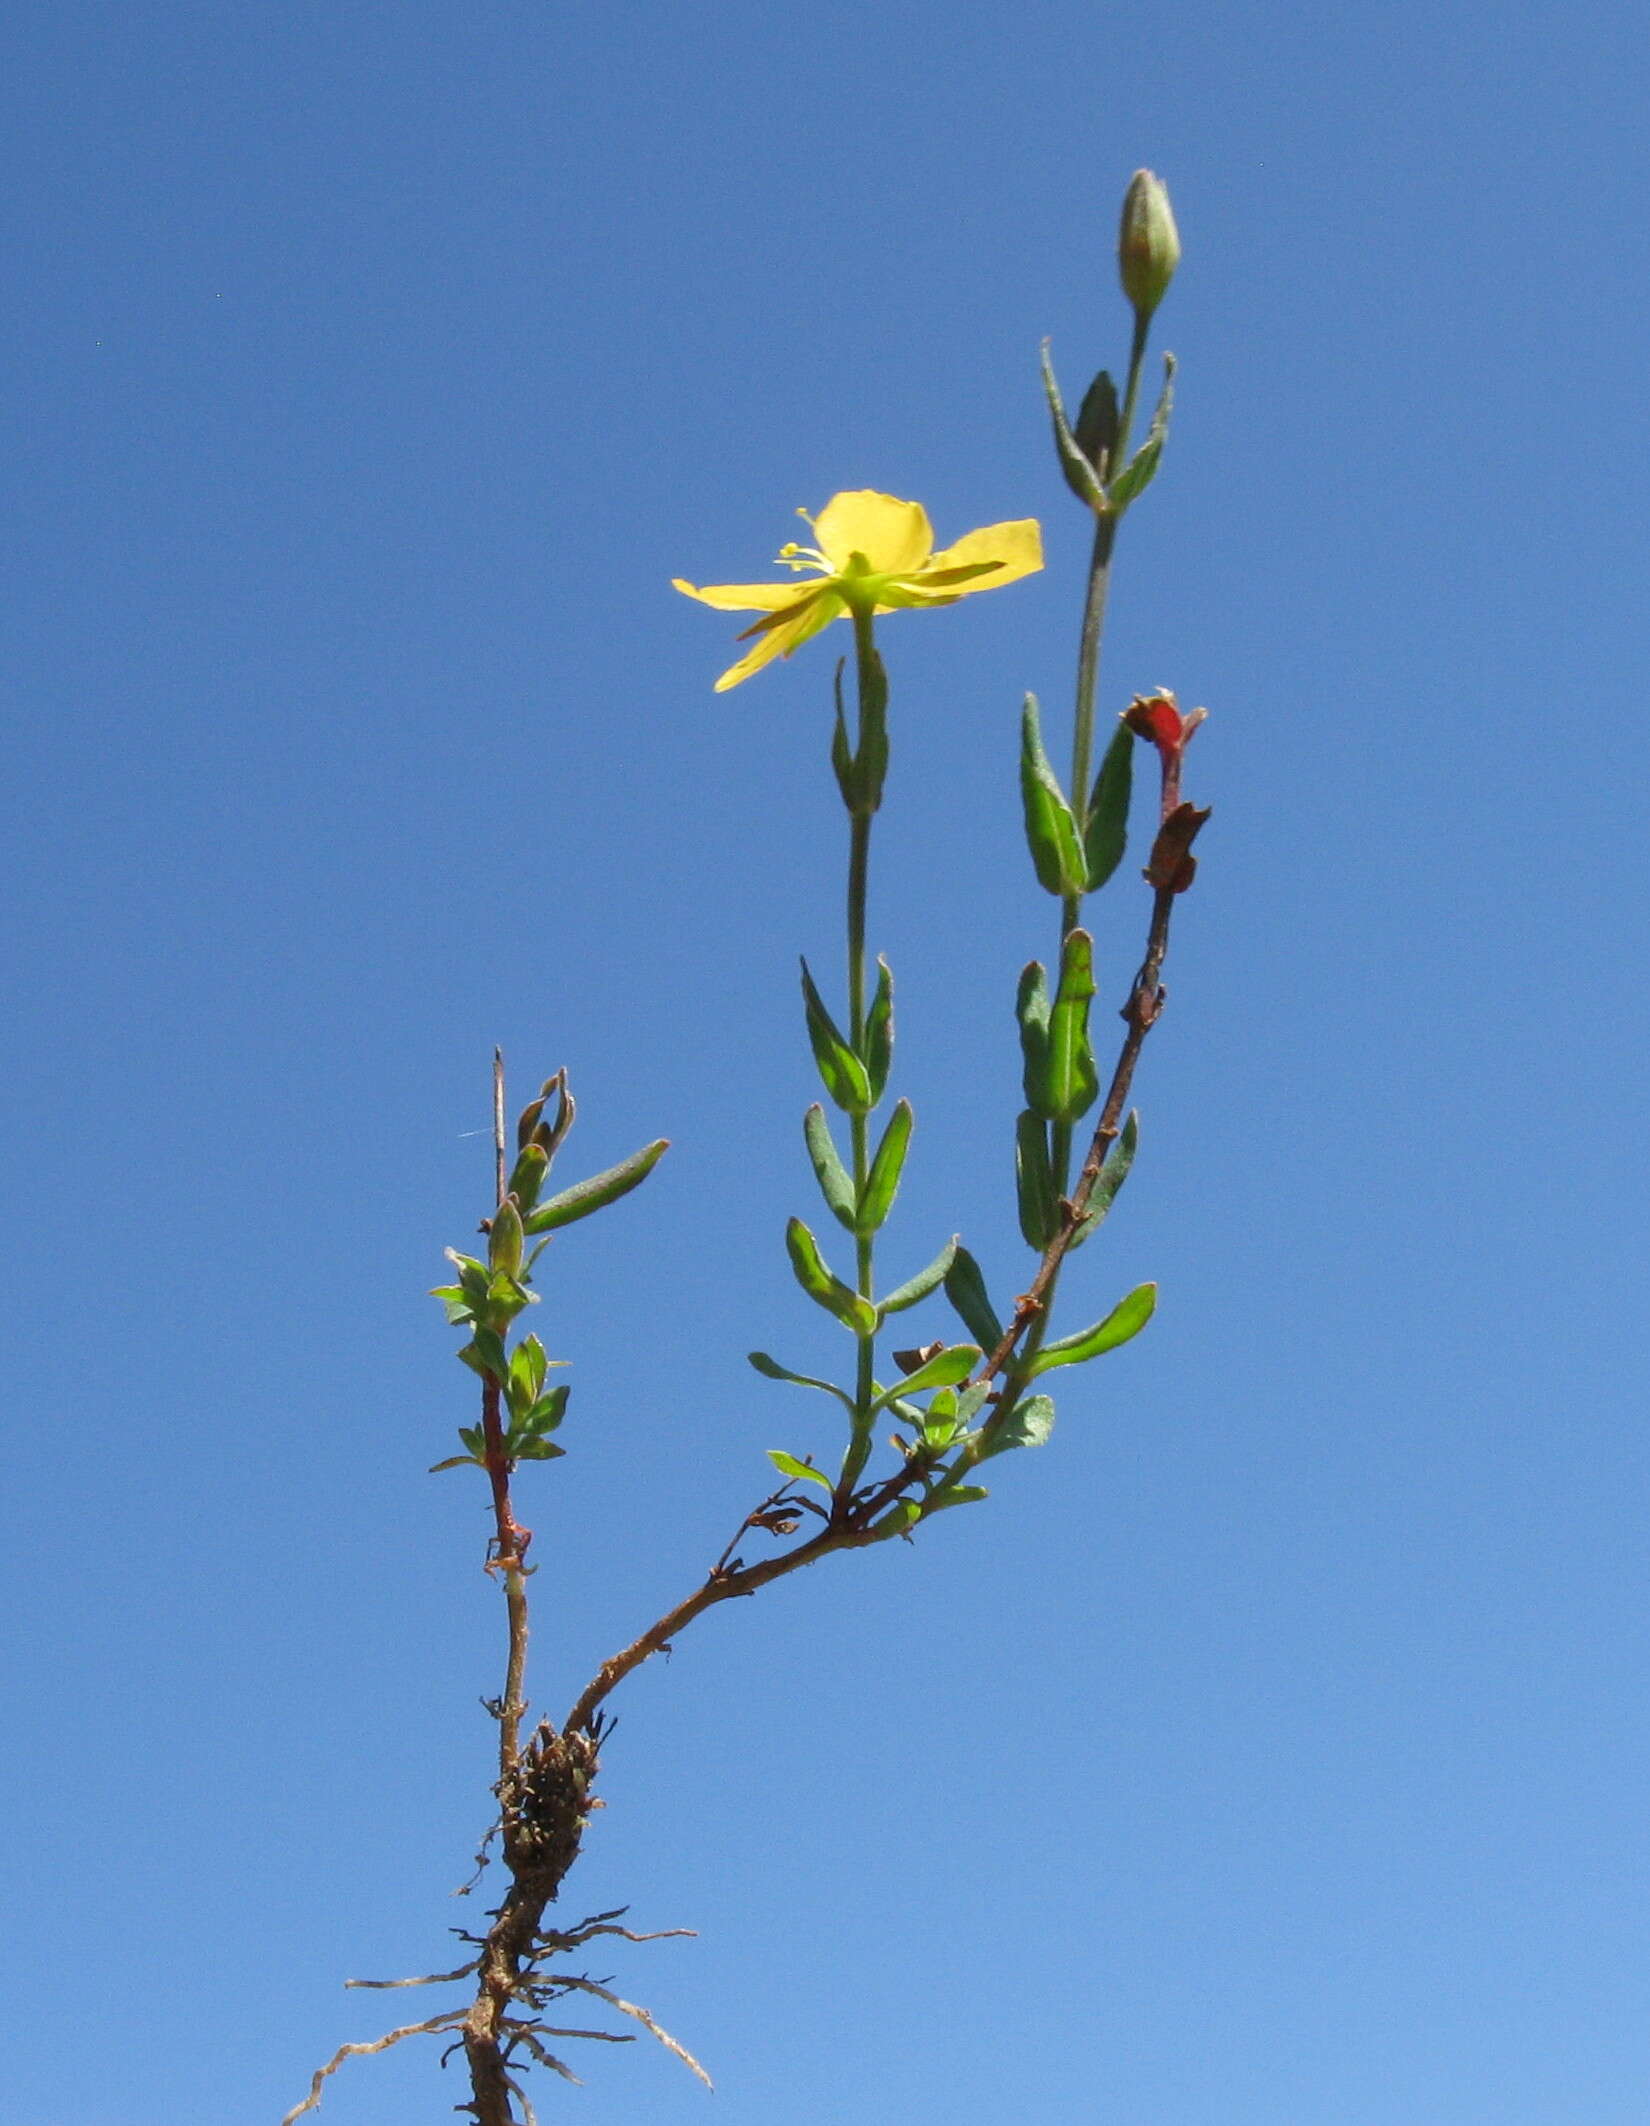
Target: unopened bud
(1148,243)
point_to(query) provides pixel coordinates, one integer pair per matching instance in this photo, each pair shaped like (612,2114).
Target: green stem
(859,863)
(1082,748)
(1094,614)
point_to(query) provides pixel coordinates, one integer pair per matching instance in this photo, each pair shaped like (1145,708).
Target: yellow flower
(875,555)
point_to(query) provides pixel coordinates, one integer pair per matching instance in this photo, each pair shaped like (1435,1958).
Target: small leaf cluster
(1087,449)
(1073,855)
(491,1293)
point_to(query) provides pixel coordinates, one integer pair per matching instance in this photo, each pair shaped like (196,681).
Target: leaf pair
(854,1077)
(1061,1082)
(863,1212)
(1071,860)
(862,1315)
(1086,452)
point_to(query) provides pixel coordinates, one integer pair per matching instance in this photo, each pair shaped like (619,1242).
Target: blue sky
(1270,1747)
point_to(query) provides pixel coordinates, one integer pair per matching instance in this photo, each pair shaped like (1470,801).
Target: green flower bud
(1148,243)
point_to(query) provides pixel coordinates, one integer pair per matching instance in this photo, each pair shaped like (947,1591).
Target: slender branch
(853,1530)
(589,1985)
(379,2044)
(433,1978)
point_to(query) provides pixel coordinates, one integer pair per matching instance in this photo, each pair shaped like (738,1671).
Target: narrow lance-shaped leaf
(1051,830)
(773,1370)
(918,1287)
(1106,834)
(816,1280)
(1126,1319)
(944,1370)
(1072,1083)
(833,1178)
(1138,475)
(1034,1181)
(879,1031)
(841,1071)
(1031,1008)
(1080,474)
(888,1162)
(965,1288)
(797,1471)
(599,1191)
(842,753)
(1112,1177)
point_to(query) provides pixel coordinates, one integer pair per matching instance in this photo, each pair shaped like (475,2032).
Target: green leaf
(1031,1008)
(1072,1084)
(599,1191)
(919,1287)
(940,1423)
(537,1450)
(800,1472)
(887,1163)
(945,1370)
(546,1413)
(1051,830)
(840,1069)
(1034,1180)
(1096,430)
(819,1284)
(1126,1319)
(775,1371)
(507,1295)
(472,1275)
(965,1288)
(879,1031)
(1106,834)
(528,1364)
(955,1495)
(484,1354)
(902,1515)
(453,1461)
(457,1303)
(504,1239)
(527,1175)
(1080,474)
(829,1171)
(1112,1177)
(475,1439)
(1028,1424)
(1133,481)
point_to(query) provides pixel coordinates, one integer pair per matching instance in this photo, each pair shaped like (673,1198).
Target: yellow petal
(895,537)
(821,608)
(746,597)
(1018,546)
